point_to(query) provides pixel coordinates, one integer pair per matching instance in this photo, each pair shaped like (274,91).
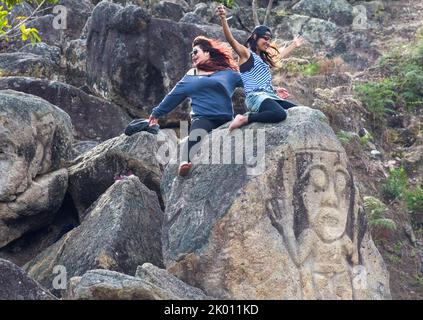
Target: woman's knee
(280,115)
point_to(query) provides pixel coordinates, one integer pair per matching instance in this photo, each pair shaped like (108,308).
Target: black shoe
(139,125)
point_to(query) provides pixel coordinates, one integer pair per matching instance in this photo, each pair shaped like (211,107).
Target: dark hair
(270,58)
(221,56)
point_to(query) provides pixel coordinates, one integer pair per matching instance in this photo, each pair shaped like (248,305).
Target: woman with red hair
(210,84)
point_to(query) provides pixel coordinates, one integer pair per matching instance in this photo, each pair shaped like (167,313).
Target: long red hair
(221,56)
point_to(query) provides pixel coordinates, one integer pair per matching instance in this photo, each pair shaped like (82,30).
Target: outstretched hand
(298,41)
(282,93)
(221,12)
(152,121)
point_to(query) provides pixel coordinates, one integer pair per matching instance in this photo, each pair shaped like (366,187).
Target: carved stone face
(325,195)
(25,151)
(14,164)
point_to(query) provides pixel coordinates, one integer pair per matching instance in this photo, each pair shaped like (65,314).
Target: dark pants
(271,111)
(207,124)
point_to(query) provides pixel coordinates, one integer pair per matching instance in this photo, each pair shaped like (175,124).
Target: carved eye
(341,179)
(318,179)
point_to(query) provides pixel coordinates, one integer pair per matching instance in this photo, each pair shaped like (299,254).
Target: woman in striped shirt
(265,103)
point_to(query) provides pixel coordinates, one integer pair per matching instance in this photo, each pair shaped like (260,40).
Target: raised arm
(241,50)
(296,43)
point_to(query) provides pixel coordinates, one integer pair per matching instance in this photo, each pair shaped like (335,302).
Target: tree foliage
(376,210)
(227,3)
(18,27)
(401,87)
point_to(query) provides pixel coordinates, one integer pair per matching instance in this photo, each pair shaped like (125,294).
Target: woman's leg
(270,111)
(286,104)
(199,123)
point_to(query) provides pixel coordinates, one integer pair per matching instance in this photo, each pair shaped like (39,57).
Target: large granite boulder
(16,285)
(28,64)
(34,208)
(192,18)
(176,288)
(285,223)
(356,48)
(135,60)
(121,232)
(28,246)
(338,11)
(81,147)
(150,283)
(96,170)
(36,138)
(42,49)
(75,61)
(168,10)
(320,33)
(93,118)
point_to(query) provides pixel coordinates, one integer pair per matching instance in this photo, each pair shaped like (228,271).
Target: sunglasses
(193,52)
(267,38)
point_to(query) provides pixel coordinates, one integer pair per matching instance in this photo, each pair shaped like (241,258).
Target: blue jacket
(210,94)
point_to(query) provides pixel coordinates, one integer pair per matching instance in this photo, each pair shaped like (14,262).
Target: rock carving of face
(326,197)
(13,166)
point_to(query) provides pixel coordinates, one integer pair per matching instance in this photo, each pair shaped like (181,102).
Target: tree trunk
(255,15)
(268,10)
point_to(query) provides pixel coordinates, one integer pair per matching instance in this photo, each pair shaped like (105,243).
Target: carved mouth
(330,217)
(331,221)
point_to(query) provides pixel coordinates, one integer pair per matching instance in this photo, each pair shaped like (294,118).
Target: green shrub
(419,280)
(364,140)
(376,210)
(301,67)
(395,185)
(377,97)
(414,200)
(344,136)
(282,13)
(410,84)
(419,33)
(401,85)
(417,51)
(227,3)
(311,69)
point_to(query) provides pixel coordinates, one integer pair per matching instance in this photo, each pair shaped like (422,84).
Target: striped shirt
(258,78)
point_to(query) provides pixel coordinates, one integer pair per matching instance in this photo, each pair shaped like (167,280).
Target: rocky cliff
(268,212)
